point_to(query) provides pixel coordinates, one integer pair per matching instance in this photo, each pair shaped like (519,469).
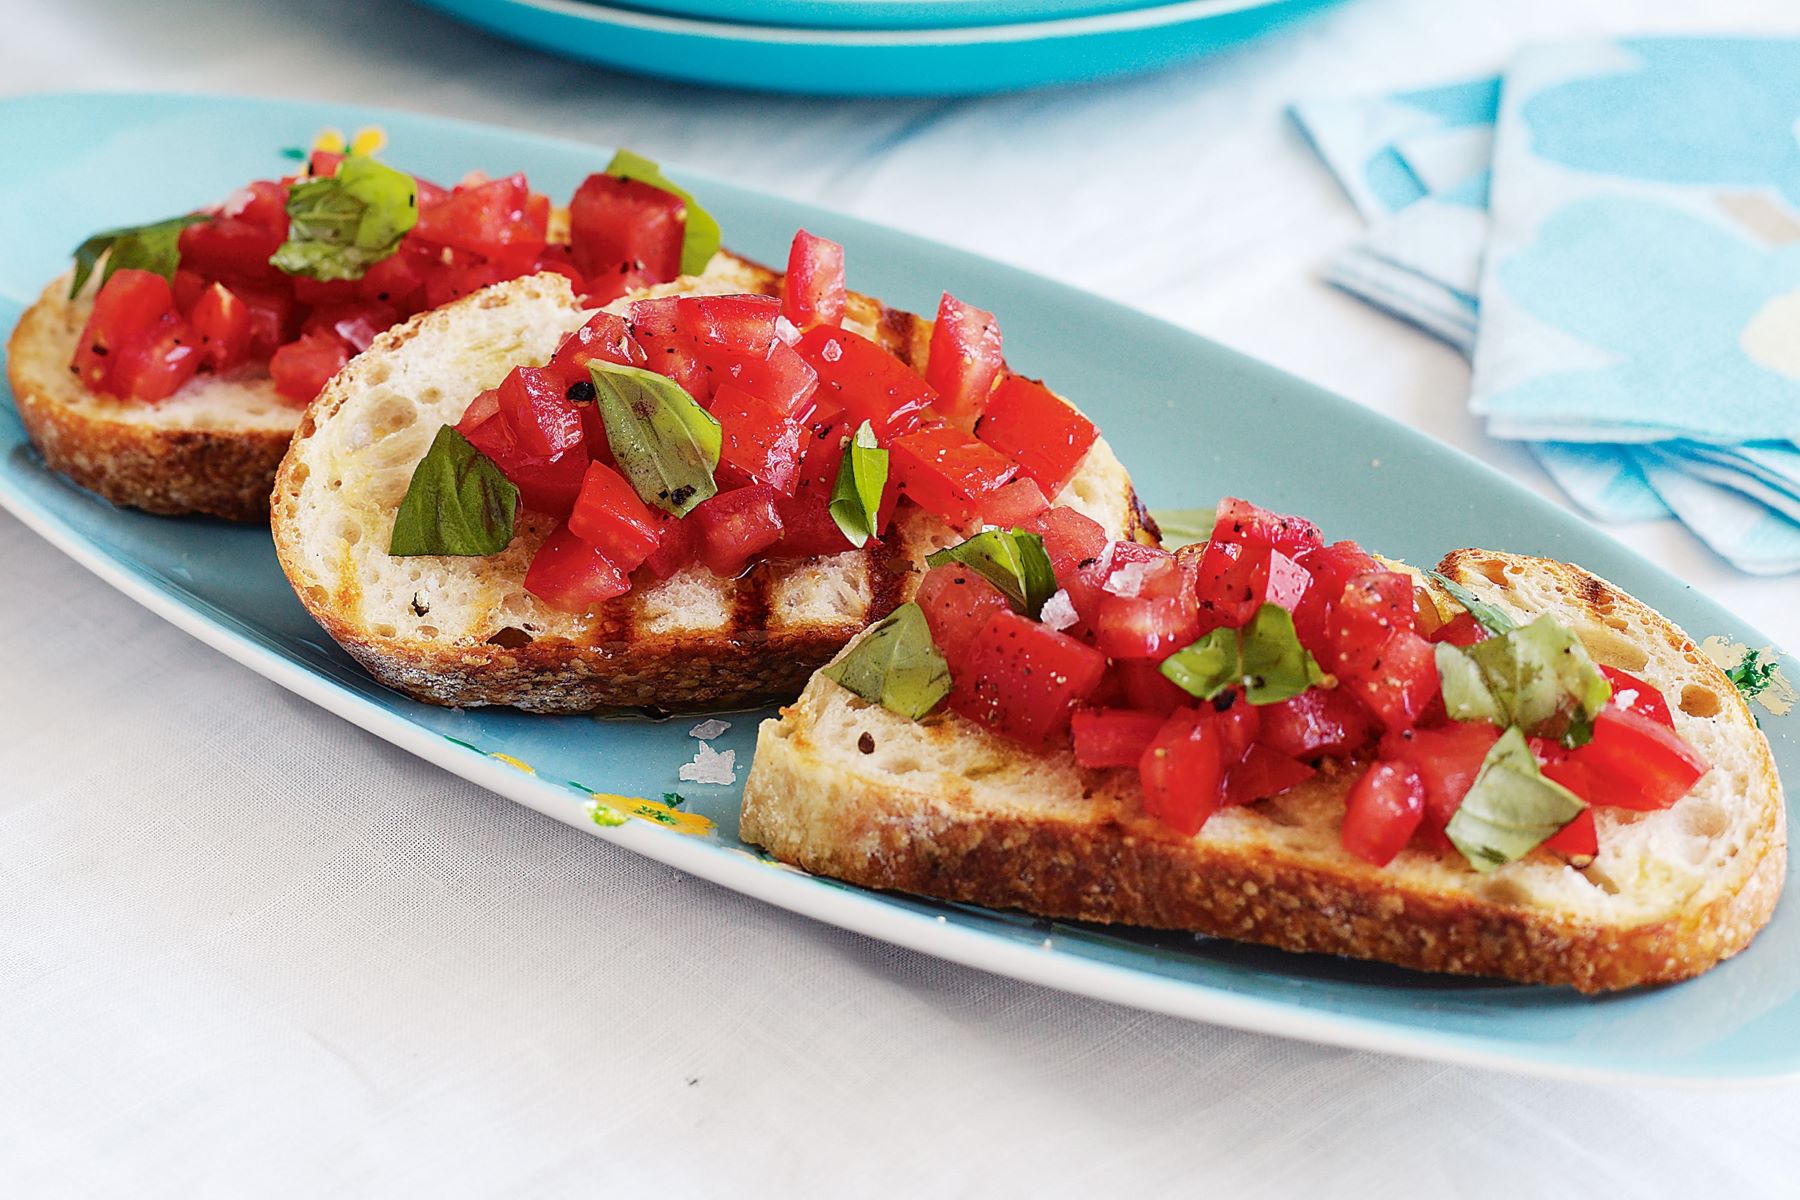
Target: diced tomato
(1150,627)
(1015,504)
(948,472)
(1237,578)
(222,323)
(1318,721)
(680,546)
(1182,771)
(742,324)
(964,360)
(302,368)
(233,249)
(187,286)
(958,602)
(320,292)
(498,220)
(398,279)
(1578,839)
(617,224)
(1037,429)
(1022,679)
(446,283)
(1157,576)
(668,350)
(812,291)
(1113,737)
(782,378)
(1263,773)
(807,528)
(1460,630)
(1447,760)
(547,487)
(1631,692)
(543,421)
(1383,811)
(154,365)
(609,516)
(1144,686)
(130,305)
(357,323)
(1332,568)
(865,381)
(605,338)
(1239,723)
(1634,761)
(568,574)
(272,319)
(1070,538)
(735,526)
(758,444)
(1402,684)
(1241,521)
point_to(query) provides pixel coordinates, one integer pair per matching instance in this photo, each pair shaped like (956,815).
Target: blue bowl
(884,62)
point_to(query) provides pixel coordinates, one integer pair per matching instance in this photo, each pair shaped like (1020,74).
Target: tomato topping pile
(228,306)
(1110,668)
(786,390)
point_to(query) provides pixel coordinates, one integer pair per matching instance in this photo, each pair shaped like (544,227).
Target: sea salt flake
(1059,612)
(1128,580)
(709,766)
(709,729)
(786,330)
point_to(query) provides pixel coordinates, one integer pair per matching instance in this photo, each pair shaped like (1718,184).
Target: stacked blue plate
(882,47)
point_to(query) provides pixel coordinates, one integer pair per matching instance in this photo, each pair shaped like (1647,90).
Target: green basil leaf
(1538,677)
(664,443)
(856,495)
(1183,526)
(895,664)
(458,503)
(701,235)
(153,247)
(1012,560)
(341,226)
(1265,658)
(1510,809)
(1490,618)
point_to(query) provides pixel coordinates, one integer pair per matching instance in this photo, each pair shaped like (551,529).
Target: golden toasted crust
(1101,859)
(615,659)
(107,448)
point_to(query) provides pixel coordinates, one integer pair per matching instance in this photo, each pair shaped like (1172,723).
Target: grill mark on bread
(749,619)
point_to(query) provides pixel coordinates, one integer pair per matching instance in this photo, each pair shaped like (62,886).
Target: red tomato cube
(668,350)
(1382,812)
(1447,760)
(958,602)
(1113,737)
(865,382)
(547,487)
(499,220)
(735,526)
(1263,773)
(129,306)
(1037,429)
(1143,686)
(1015,505)
(812,291)
(758,444)
(741,324)
(234,249)
(610,516)
(605,338)
(568,574)
(1183,770)
(1634,761)
(1579,839)
(679,547)
(1318,721)
(222,323)
(964,360)
(1241,521)
(154,365)
(782,378)
(1070,538)
(619,224)
(1237,578)
(1023,679)
(1332,567)
(302,368)
(948,472)
(543,421)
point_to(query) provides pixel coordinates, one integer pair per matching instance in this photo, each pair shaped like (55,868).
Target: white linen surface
(248,949)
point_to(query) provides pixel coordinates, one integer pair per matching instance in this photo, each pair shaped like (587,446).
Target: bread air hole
(1703,820)
(390,414)
(510,638)
(1697,701)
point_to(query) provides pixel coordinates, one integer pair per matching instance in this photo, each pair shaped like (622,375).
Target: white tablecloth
(247,949)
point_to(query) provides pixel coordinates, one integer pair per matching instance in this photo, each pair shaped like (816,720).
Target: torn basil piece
(666,445)
(1538,677)
(154,247)
(458,503)
(856,495)
(1012,560)
(1510,809)
(340,226)
(1490,618)
(895,664)
(1265,658)
(700,236)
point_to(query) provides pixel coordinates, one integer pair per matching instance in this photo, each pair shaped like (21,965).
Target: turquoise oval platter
(882,62)
(1193,420)
(884,14)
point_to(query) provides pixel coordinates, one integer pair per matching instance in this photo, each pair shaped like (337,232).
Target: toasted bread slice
(943,808)
(463,631)
(211,448)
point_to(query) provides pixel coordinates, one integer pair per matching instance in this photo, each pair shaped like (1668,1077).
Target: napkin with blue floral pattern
(1612,232)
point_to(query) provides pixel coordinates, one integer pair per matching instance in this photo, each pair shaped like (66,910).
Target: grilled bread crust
(943,809)
(693,642)
(211,448)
